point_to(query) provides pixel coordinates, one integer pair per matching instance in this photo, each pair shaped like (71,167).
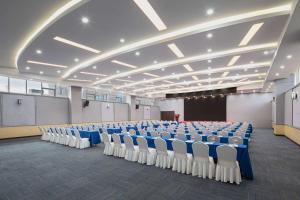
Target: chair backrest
(200,150)
(160,145)
(166,135)
(57,130)
(104,130)
(181,136)
(226,154)
(63,131)
(77,134)
(132,131)
(197,137)
(179,147)
(69,132)
(128,142)
(235,140)
(105,138)
(154,134)
(116,139)
(143,144)
(143,132)
(213,138)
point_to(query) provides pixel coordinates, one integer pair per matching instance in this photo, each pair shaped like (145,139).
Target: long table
(93,136)
(242,152)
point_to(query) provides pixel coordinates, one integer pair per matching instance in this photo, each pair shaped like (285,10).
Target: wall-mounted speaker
(107,106)
(294,95)
(86,103)
(19,101)
(137,106)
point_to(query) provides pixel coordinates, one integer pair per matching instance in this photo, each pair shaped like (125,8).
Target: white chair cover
(119,148)
(228,168)
(132,131)
(203,165)
(164,158)
(182,160)
(109,146)
(131,152)
(235,140)
(165,135)
(181,136)
(213,138)
(146,155)
(81,143)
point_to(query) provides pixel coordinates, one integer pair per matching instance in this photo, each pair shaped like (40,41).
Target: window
(48,92)
(62,91)
(3,84)
(48,85)
(17,86)
(34,87)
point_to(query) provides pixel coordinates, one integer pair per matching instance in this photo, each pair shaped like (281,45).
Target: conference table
(93,136)
(114,130)
(242,152)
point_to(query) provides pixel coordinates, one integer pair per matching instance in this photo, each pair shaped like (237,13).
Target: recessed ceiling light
(254,91)
(277,74)
(246,69)
(122,40)
(94,67)
(209,68)
(199,84)
(176,50)
(289,56)
(58,71)
(76,59)
(237,74)
(209,61)
(124,64)
(148,10)
(188,67)
(209,50)
(251,62)
(41,72)
(144,79)
(155,61)
(75,76)
(47,64)
(209,35)
(266,52)
(85,20)
(128,76)
(282,67)
(162,69)
(118,71)
(252,31)
(195,78)
(27,68)
(173,73)
(38,51)
(75,44)
(256,71)
(97,78)
(210,11)
(137,53)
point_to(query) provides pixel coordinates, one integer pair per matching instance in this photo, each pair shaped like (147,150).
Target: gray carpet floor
(33,169)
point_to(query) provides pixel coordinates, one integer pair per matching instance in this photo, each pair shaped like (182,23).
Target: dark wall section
(205,109)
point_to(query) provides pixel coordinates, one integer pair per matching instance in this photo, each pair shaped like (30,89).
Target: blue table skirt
(242,152)
(93,136)
(114,130)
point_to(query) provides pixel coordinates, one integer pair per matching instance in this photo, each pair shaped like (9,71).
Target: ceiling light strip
(78,80)
(75,44)
(250,34)
(54,17)
(215,70)
(188,67)
(176,50)
(46,64)
(233,60)
(124,64)
(93,74)
(148,10)
(198,28)
(149,74)
(239,50)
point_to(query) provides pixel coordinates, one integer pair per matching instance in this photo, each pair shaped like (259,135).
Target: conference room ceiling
(111,28)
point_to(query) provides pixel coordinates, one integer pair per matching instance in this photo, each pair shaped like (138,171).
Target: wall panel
(107,113)
(121,112)
(296,109)
(288,108)
(92,113)
(14,114)
(147,113)
(176,105)
(155,113)
(50,110)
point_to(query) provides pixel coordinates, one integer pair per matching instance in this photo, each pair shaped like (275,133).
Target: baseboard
(290,132)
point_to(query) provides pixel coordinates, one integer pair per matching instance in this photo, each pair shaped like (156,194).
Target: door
(167,115)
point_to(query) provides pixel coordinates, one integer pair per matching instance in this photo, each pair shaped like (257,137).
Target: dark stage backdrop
(205,109)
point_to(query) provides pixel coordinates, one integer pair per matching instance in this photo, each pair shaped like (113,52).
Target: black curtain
(205,109)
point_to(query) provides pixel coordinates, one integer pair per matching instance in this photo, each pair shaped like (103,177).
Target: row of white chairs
(199,164)
(65,137)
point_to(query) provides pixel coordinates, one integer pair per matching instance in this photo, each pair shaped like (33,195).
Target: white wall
(147,112)
(107,111)
(296,109)
(121,112)
(92,113)
(155,113)
(176,105)
(255,108)
(288,108)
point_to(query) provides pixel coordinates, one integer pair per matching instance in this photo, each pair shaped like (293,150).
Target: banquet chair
(53,135)
(119,148)
(181,136)
(80,142)
(203,164)
(132,131)
(235,140)
(109,146)
(154,134)
(227,167)
(197,137)
(131,151)
(143,132)
(165,135)
(68,136)
(213,138)
(164,158)
(63,136)
(182,160)
(45,134)
(146,155)
(58,135)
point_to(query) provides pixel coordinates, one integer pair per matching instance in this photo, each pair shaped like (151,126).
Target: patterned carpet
(32,169)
